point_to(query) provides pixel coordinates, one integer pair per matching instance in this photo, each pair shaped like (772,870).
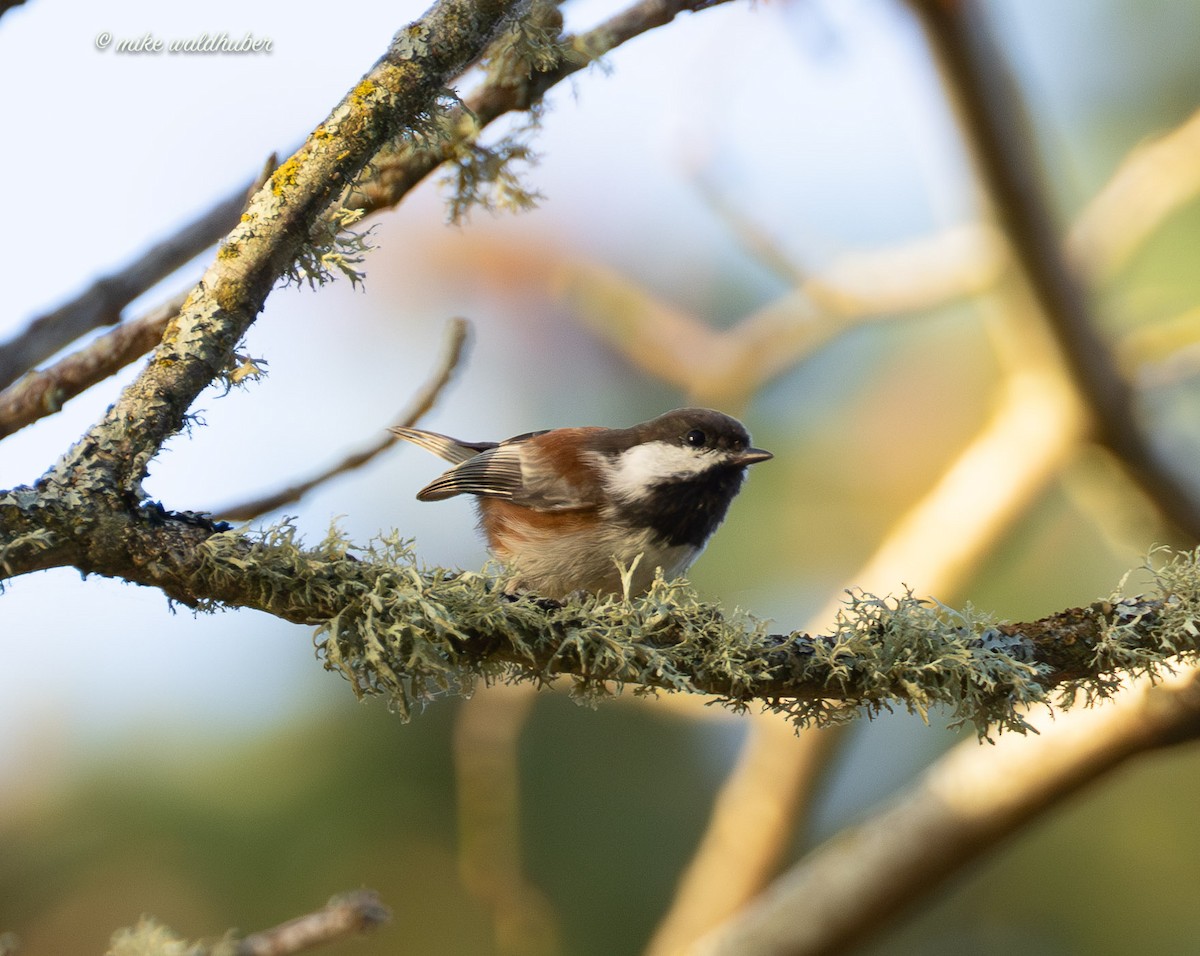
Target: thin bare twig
(43,392)
(998,130)
(457,332)
(345,915)
(400,89)
(102,302)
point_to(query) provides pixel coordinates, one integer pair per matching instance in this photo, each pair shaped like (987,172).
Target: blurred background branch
(936,546)
(347,915)
(844,891)
(454,351)
(998,131)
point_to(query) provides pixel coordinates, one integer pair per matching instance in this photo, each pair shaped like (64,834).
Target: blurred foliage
(612,802)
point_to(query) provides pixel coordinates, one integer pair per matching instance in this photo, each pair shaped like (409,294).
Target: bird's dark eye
(696,438)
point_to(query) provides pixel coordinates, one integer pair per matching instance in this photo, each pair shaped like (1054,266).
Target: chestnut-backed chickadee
(567,509)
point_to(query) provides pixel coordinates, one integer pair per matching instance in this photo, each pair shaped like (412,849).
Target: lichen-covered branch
(395,630)
(511,85)
(400,92)
(408,634)
(349,914)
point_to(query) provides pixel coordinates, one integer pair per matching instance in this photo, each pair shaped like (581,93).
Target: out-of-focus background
(206,770)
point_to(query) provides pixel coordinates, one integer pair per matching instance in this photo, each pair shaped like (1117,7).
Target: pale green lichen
(151,938)
(490,177)
(411,42)
(433,127)
(333,249)
(39,540)
(531,43)
(411,634)
(240,370)
(1145,633)
(919,654)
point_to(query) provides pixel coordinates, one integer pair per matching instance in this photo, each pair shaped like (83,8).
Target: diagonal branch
(348,914)
(398,172)
(998,129)
(392,174)
(43,392)
(101,303)
(850,887)
(399,92)
(1154,180)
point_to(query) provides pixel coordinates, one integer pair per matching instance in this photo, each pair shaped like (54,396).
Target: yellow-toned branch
(1152,182)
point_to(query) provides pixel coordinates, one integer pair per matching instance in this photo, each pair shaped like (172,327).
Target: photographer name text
(218,43)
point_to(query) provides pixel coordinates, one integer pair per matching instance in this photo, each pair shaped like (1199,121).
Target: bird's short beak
(751,455)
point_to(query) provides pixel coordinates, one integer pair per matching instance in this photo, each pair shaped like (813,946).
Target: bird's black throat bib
(686,511)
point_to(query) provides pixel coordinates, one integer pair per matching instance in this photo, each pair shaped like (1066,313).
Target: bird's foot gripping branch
(410,634)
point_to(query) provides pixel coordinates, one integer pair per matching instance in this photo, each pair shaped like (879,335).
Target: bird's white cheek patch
(634,472)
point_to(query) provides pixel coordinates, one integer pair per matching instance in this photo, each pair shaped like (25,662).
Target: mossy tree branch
(349,914)
(395,630)
(399,93)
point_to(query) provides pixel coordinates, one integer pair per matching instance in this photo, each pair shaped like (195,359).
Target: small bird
(567,509)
